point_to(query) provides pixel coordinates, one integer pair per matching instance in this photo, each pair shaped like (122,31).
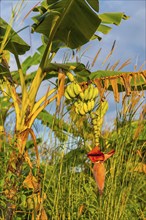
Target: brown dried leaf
(126,82)
(100,87)
(141,168)
(106,83)
(10,193)
(113,82)
(42,215)
(27,159)
(61,82)
(31,182)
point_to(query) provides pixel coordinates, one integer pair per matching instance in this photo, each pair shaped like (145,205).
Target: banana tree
(65,23)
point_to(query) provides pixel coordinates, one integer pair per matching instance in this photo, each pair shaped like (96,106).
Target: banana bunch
(90,93)
(84,100)
(97,119)
(87,100)
(72,90)
(82,107)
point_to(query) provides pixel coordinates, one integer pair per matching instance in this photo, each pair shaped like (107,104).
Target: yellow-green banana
(70,76)
(86,94)
(82,95)
(70,90)
(90,91)
(90,104)
(67,95)
(95,92)
(85,107)
(77,88)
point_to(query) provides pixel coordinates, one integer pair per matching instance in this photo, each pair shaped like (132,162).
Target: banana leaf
(68,21)
(14,43)
(117,81)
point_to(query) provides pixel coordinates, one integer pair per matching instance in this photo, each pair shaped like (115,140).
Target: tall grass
(69,191)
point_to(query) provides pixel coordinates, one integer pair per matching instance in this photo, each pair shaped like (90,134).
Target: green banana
(94,121)
(90,91)
(77,88)
(70,90)
(67,95)
(82,96)
(77,110)
(85,107)
(95,93)
(76,104)
(81,108)
(81,111)
(86,94)
(70,76)
(104,107)
(90,104)
(93,115)
(96,128)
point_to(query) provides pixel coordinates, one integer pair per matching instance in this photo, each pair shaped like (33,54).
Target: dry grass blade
(110,53)
(30,11)
(140,126)
(141,67)
(95,58)
(107,67)
(113,67)
(126,63)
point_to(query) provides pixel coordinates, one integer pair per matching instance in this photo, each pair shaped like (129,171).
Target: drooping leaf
(68,21)
(110,18)
(31,182)
(117,81)
(104,29)
(115,89)
(14,43)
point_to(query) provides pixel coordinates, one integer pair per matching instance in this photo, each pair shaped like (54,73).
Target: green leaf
(137,80)
(112,17)
(94,4)
(68,21)
(33,60)
(104,29)
(14,44)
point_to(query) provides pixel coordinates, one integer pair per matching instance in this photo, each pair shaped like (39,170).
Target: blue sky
(130,36)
